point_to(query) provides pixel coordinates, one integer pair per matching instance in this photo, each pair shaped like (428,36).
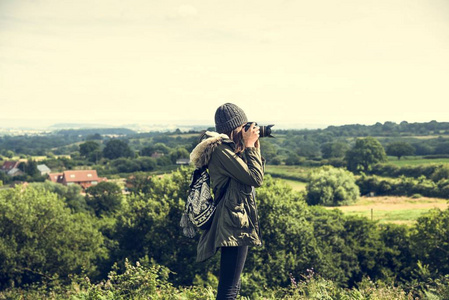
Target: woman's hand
(251,136)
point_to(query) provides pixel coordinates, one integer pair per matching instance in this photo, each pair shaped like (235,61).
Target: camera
(265,131)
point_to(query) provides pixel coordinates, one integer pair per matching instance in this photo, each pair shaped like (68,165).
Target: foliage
(40,237)
(149,225)
(364,154)
(331,186)
(269,150)
(105,198)
(177,153)
(70,194)
(400,149)
(60,163)
(88,147)
(435,172)
(150,281)
(147,151)
(334,149)
(430,241)
(293,159)
(289,244)
(29,167)
(128,165)
(342,250)
(116,148)
(403,186)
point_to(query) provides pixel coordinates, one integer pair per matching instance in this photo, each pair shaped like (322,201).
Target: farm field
(36,157)
(393,209)
(417,160)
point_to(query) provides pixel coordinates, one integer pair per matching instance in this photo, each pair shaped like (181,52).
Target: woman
(236,168)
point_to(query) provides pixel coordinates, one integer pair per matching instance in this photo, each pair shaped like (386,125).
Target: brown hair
(236,136)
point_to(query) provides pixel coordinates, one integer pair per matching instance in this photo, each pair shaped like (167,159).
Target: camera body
(265,131)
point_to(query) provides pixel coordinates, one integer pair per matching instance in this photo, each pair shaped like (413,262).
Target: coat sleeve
(250,172)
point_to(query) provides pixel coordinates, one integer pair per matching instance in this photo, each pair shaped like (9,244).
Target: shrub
(430,241)
(331,186)
(142,281)
(40,237)
(431,171)
(403,186)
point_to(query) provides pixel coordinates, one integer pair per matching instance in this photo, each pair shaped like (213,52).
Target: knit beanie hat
(228,117)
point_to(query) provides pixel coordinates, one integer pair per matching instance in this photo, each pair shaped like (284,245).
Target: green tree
(178,153)
(289,242)
(400,149)
(161,147)
(269,150)
(149,226)
(276,161)
(430,241)
(146,164)
(331,186)
(40,237)
(334,150)
(117,148)
(365,153)
(105,198)
(126,165)
(70,194)
(147,151)
(29,167)
(293,159)
(347,245)
(9,154)
(95,136)
(88,147)
(140,182)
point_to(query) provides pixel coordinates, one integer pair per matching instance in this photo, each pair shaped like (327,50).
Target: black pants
(231,266)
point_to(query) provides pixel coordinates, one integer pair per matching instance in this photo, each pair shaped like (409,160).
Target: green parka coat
(235,221)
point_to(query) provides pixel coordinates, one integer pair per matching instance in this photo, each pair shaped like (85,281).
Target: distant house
(43,169)
(55,177)
(84,178)
(9,165)
(15,172)
(11,168)
(183,161)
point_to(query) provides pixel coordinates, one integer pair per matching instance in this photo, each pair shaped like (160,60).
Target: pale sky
(285,62)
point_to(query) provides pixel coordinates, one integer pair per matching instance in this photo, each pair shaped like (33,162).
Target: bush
(430,171)
(403,186)
(430,241)
(331,186)
(40,237)
(142,281)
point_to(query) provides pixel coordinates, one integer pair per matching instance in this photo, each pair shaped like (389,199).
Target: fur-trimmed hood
(201,154)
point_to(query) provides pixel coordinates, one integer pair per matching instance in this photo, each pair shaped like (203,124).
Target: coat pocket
(236,215)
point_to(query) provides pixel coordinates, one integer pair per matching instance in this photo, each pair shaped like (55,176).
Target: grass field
(392,209)
(295,184)
(417,160)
